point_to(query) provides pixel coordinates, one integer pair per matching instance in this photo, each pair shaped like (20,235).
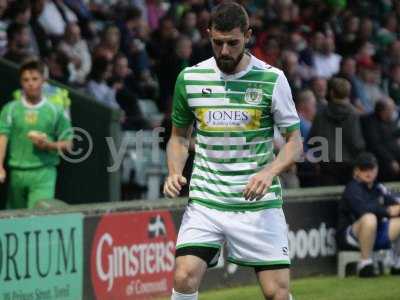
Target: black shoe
(367,271)
(395,271)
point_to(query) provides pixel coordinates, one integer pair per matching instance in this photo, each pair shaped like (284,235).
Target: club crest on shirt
(31,117)
(253,96)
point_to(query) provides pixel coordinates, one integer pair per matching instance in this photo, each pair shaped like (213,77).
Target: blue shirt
(358,199)
(305,127)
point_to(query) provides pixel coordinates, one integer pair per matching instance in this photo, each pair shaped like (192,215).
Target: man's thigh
(200,234)
(383,235)
(258,239)
(42,185)
(17,192)
(394,228)
(198,246)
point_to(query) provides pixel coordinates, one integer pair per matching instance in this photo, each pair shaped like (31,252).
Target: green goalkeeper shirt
(18,118)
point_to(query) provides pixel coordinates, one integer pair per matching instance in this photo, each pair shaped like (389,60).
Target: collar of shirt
(30,105)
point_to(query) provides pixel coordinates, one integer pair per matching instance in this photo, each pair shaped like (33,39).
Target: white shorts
(255,239)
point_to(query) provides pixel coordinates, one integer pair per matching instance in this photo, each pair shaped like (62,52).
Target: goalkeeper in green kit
(34,130)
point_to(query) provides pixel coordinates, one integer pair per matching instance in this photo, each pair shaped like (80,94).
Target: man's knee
(369,221)
(276,291)
(278,294)
(186,280)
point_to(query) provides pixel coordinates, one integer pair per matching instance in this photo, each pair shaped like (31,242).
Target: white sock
(179,296)
(362,263)
(395,260)
(396,253)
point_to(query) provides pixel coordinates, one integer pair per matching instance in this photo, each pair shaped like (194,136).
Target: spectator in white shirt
(326,61)
(76,49)
(55,17)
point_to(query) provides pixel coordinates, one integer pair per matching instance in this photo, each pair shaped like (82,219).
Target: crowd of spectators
(123,50)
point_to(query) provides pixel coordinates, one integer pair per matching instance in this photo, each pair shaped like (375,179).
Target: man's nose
(225,49)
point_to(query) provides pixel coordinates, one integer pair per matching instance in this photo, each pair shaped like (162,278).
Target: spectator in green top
(34,130)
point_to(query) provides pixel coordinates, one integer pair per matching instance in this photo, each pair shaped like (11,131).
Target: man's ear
(248,34)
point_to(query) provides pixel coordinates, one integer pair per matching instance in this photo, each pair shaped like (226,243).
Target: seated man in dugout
(369,217)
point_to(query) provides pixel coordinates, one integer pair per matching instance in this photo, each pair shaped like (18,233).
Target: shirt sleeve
(6,120)
(283,108)
(182,115)
(388,198)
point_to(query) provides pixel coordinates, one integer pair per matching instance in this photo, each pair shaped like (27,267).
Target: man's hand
(41,143)
(173,185)
(394,210)
(39,139)
(258,185)
(395,166)
(3,174)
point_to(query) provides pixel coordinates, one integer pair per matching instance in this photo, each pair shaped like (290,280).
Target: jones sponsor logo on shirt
(133,255)
(227,118)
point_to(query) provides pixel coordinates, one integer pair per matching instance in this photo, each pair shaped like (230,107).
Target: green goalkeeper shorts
(27,187)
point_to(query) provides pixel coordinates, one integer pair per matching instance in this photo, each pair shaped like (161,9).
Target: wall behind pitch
(112,237)
(41,257)
(126,248)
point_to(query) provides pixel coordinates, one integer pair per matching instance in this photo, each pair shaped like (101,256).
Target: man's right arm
(177,154)
(5,129)
(182,118)
(3,148)
(359,205)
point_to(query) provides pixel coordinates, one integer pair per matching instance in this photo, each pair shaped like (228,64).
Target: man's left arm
(286,118)
(258,185)
(391,203)
(64,136)
(58,146)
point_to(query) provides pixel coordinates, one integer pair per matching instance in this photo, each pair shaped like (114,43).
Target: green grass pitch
(321,288)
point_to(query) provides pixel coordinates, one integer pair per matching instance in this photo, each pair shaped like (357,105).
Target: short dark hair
(14,29)
(365,161)
(228,16)
(303,96)
(32,64)
(18,7)
(100,66)
(339,87)
(132,13)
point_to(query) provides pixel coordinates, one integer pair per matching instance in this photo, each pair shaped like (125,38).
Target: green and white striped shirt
(235,117)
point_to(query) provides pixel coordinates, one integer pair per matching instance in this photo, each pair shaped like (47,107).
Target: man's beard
(228,64)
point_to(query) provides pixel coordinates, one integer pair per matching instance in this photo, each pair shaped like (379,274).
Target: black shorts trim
(208,254)
(271,267)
